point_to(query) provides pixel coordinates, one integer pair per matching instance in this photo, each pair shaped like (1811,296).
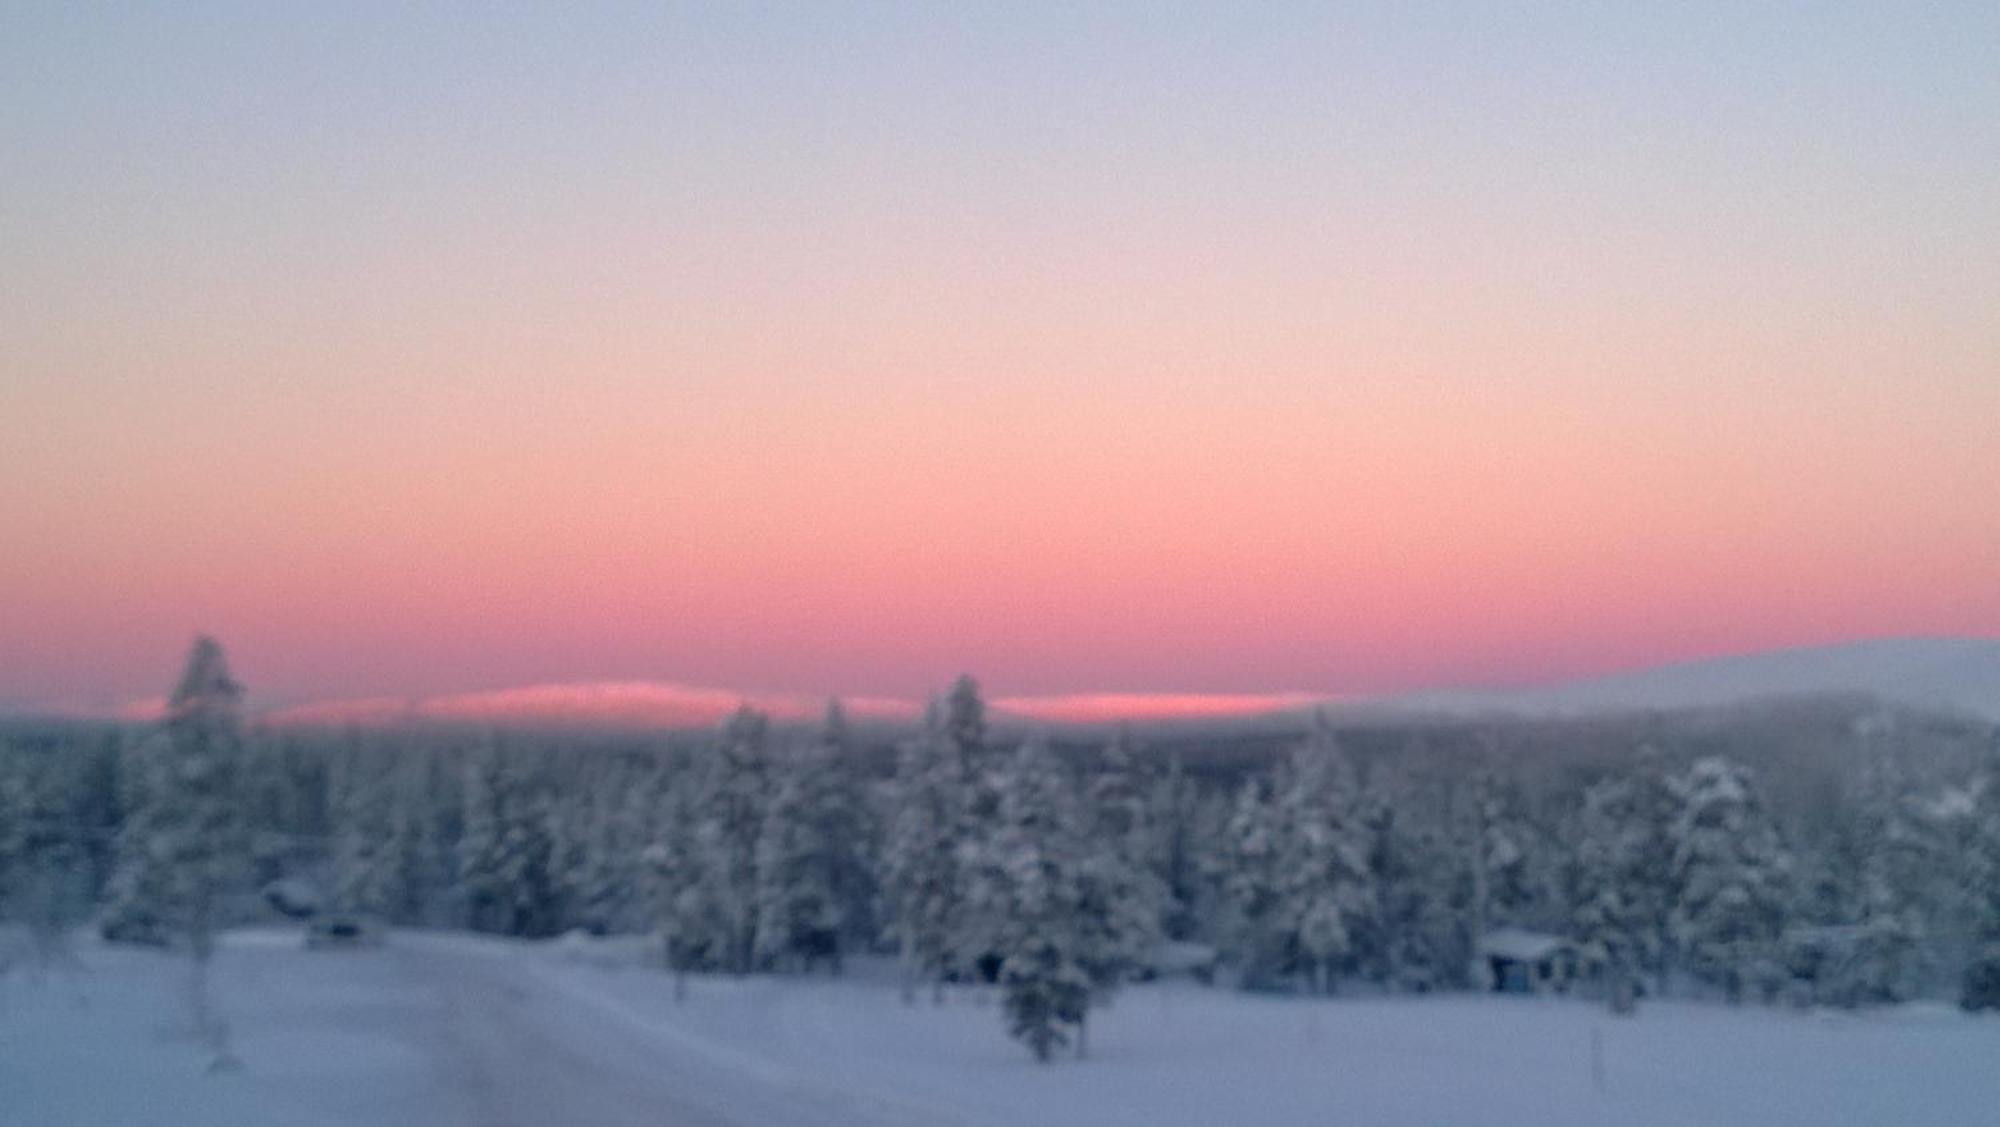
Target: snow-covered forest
(1831,853)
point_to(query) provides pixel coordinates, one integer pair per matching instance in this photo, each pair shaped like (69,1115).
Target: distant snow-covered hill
(1953,674)
(1956,674)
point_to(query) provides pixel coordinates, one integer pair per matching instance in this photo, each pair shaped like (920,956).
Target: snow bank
(1181,1053)
(447,1029)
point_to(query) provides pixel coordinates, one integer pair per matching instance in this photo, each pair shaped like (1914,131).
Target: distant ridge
(1960,675)
(661,704)
(1951,674)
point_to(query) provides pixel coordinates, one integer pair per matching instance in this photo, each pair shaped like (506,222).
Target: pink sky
(1314,353)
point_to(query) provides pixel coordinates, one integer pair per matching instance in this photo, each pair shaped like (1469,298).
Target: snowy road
(526,1054)
(519,1046)
(451,1031)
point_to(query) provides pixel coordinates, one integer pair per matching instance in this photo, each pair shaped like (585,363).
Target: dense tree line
(1052,871)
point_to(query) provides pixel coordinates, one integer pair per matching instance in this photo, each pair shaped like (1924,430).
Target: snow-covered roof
(1521,945)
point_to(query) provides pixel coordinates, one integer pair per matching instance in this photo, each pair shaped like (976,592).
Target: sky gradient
(813,349)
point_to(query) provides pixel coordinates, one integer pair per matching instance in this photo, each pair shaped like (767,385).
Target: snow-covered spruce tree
(1038,850)
(481,860)
(972,943)
(963,723)
(367,868)
(1210,853)
(1122,893)
(1253,931)
(1175,804)
(45,838)
(1650,882)
(1980,986)
(197,823)
(798,910)
(599,835)
(1512,886)
(136,894)
(1422,887)
(849,825)
(921,860)
(689,922)
(1892,854)
(183,849)
(734,794)
(13,811)
(1732,875)
(1474,817)
(271,806)
(574,822)
(505,847)
(1325,883)
(13,782)
(610,896)
(428,810)
(1611,916)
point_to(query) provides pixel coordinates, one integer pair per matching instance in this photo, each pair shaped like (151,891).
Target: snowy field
(449,1029)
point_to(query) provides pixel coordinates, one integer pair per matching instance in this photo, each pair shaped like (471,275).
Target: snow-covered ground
(449,1029)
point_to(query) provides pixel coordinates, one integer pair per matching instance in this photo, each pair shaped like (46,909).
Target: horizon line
(676,704)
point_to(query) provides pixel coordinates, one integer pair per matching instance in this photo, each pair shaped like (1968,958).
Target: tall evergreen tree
(1651,881)
(197,814)
(921,866)
(505,852)
(1611,913)
(690,923)
(1980,987)
(1123,896)
(1253,885)
(801,858)
(368,870)
(1422,937)
(734,797)
(599,834)
(183,846)
(426,812)
(972,931)
(1512,886)
(1894,854)
(45,877)
(1323,857)
(963,724)
(136,895)
(13,818)
(1175,804)
(1732,877)
(849,824)
(1044,972)
(177,848)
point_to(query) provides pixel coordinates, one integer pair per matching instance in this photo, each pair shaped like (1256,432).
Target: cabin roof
(1521,944)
